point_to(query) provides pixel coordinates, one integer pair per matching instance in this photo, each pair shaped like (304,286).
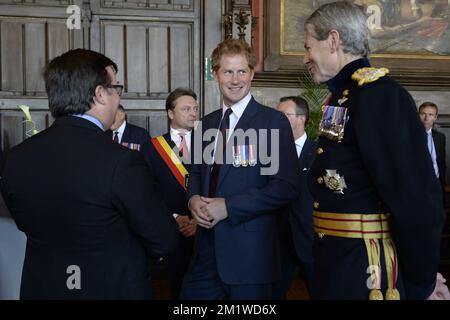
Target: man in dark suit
(428,112)
(89,207)
(296,224)
(168,156)
(127,134)
(237,199)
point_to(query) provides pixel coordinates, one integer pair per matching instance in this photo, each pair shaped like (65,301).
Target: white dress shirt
(174,135)
(237,111)
(299,143)
(120,130)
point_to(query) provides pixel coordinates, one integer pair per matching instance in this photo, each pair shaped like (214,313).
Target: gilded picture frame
(412,41)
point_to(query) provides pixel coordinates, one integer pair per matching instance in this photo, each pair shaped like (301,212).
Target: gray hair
(346,18)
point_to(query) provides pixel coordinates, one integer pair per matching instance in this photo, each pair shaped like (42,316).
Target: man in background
(296,224)
(127,134)
(428,112)
(169,157)
(89,207)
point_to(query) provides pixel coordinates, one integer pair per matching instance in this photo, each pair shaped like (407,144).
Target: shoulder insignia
(368,75)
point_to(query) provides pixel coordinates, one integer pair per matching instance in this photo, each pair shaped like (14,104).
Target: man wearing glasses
(88,207)
(296,225)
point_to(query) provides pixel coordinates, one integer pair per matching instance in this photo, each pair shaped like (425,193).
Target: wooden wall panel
(35,57)
(156,44)
(58,39)
(169,55)
(114,47)
(186,3)
(158,59)
(148,4)
(54,3)
(13,129)
(138,118)
(136,62)
(180,56)
(11,57)
(158,123)
(25,47)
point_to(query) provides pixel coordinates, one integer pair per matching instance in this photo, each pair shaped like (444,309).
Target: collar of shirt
(90,118)
(428,131)
(238,109)
(299,143)
(121,130)
(174,135)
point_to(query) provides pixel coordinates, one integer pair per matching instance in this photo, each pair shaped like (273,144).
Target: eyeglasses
(118,87)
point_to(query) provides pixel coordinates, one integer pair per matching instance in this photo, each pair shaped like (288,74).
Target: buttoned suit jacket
(175,197)
(246,243)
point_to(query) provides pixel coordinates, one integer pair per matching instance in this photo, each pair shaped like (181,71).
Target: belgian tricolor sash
(171,159)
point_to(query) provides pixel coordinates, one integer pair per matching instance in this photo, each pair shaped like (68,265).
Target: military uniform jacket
(384,160)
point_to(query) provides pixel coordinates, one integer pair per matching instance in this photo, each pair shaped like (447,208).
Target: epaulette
(368,75)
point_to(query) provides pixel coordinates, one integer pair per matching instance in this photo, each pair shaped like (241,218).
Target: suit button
(316,205)
(319,180)
(319,150)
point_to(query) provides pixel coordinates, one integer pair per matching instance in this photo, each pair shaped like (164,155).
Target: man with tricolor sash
(169,157)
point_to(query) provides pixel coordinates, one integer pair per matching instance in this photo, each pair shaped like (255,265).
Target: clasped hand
(186,226)
(208,211)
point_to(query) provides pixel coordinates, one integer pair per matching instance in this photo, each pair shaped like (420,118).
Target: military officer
(378,215)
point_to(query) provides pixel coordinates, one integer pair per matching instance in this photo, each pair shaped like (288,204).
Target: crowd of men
(231,208)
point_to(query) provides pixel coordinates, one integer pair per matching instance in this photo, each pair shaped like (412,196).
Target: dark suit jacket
(132,134)
(83,200)
(246,243)
(173,193)
(301,209)
(439,145)
(174,196)
(135,134)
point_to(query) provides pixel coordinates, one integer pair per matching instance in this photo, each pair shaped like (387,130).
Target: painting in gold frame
(403,28)
(403,36)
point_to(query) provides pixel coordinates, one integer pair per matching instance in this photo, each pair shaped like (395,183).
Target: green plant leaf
(315,95)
